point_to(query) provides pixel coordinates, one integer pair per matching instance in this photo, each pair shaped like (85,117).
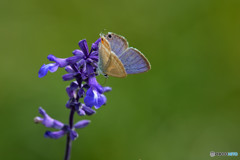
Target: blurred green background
(185,107)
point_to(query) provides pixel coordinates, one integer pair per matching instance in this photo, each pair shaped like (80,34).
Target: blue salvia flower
(82,68)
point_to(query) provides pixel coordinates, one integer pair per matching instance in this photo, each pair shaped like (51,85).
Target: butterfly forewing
(134,61)
(118,43)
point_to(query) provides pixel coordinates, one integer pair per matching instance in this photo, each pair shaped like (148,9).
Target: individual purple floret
(63,129)
(82,68)
(47,121)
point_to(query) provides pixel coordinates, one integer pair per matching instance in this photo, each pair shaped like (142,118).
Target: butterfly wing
(118,43)
(134,61)
(104,54)
(115,67)
(109,63)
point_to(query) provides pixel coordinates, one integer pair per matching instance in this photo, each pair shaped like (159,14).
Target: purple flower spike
(82,124)
(55,135)
(52,67)
(84,47)
(48,121)
(81,68)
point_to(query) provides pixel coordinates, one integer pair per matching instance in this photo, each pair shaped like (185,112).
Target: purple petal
(84,47)
(81,63)
(90,92)
(82,124)
(55,135)
(91,98)
(69,69)
(78,52)
(101,101)
(81,92)
(74,59)
(92,81)
(89,101)
(94,54)
(88,110)
(95,45)
(81,112)
(95,58)
(74,85)
(99,89)
(84,75)
(42,112)
(68,104)
(84,67)
(90,71)
(68,77)
(62,62)
(54,124)
(52,67)
(106,89)
(89,60)
(73,135)
(71,93)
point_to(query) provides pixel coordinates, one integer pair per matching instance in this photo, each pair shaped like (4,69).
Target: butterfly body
(117,59)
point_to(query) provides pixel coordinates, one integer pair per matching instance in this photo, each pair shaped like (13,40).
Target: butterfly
(116,59)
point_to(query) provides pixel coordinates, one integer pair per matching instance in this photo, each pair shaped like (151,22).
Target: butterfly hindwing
(134,61)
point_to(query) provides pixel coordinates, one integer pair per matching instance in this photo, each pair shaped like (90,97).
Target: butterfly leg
(106,76)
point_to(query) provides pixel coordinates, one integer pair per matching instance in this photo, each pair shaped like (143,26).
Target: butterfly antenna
(106,78)
(104,31)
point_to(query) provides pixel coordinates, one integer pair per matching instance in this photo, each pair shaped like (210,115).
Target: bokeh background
(185,107)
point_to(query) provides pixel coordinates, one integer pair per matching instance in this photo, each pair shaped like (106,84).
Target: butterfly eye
(109,36)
